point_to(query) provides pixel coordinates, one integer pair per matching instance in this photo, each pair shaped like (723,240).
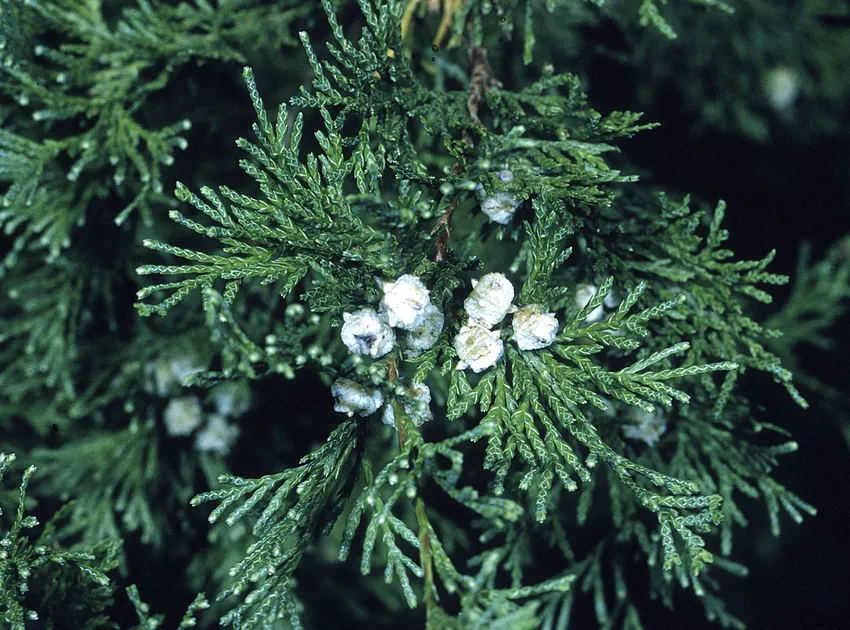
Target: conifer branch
(114,475)
(286,510)
(443,248)
(25,564)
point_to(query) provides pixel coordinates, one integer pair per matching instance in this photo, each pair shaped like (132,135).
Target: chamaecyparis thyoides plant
(512,375)
(598,346)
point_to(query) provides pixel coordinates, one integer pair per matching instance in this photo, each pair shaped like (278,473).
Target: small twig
(481,80)
(425,552)
(443,226)
(392,375)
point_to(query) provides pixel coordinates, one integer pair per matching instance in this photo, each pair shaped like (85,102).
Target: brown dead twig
(481,80)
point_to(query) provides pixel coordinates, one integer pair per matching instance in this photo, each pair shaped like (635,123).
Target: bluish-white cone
(218,436)
(168,374)
(425,335)
(478,348)
(499,207)
(490,300)
(351,398)
(613,299)
(231,398)
(647,427)
(367,332)
(405,301)
(534,328)
(583,294)
(182,415)
(781,86)
(417,407)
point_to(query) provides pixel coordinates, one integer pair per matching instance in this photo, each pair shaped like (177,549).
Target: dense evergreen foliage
(423,319)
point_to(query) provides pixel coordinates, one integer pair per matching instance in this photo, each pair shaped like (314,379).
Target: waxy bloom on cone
(367,332)
(351,398)
(499,207)
(490,300)
(534,328)
(478,348)
(182,415)
(425,335)
(405,301)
